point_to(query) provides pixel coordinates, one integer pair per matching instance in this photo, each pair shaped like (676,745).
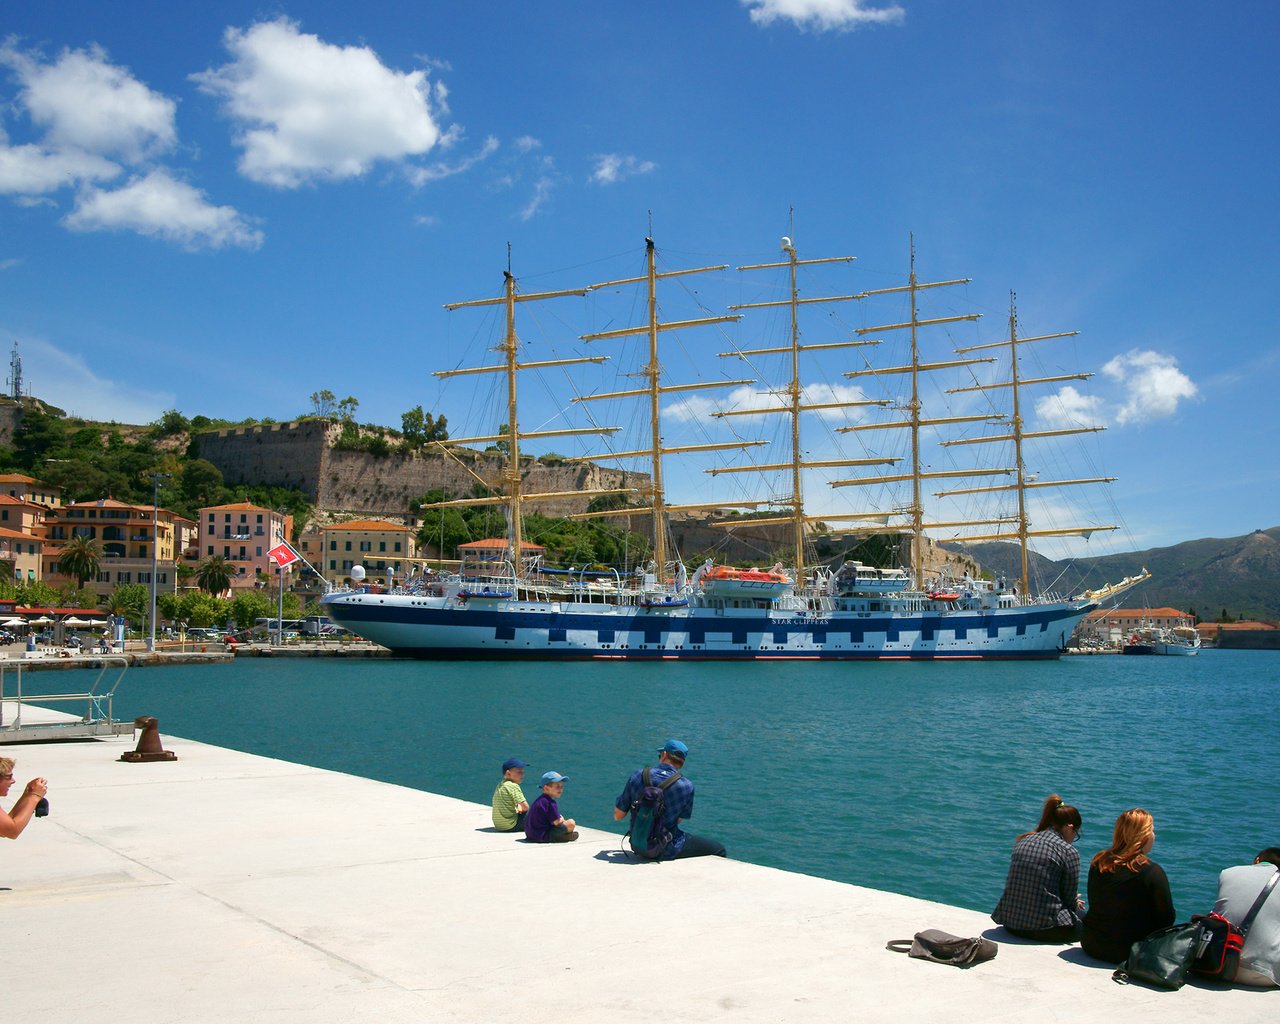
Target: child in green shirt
(509,804)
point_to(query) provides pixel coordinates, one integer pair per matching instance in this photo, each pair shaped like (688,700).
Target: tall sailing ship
(517,607)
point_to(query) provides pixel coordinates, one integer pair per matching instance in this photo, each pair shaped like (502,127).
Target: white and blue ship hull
(439,627)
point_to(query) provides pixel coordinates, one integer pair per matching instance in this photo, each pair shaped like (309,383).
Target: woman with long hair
(1041,898)
(1128,892)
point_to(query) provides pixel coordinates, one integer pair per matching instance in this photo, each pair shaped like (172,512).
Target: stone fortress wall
(301,454)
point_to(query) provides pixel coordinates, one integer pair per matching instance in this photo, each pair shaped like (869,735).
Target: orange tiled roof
(237,506)
(497,544)
(1139,613)
(368,524)
(19,535)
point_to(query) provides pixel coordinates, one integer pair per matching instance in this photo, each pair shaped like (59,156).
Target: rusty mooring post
(149,746)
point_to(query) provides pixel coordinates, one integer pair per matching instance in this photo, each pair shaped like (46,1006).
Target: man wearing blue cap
(677,803)
(509,804)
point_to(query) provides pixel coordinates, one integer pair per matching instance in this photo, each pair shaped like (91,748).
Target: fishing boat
(519,608)
(1178,641)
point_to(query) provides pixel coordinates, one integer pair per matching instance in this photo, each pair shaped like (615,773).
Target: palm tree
(215,574)
(80,559)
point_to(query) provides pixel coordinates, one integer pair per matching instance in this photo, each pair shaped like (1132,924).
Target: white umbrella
(44,620)
(15,621)
(73,621)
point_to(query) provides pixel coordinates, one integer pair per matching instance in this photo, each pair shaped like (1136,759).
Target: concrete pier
(228,887)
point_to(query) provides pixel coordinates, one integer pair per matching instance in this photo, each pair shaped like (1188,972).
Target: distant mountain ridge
(1238,574)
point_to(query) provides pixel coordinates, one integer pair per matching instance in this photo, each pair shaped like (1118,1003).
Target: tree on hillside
(38,438)
(80,559)
(347,408)
(214,575)
(420,427)
(200,483)
(171,423)
(323,403)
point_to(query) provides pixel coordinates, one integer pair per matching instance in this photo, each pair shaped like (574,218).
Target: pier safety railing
(97,719)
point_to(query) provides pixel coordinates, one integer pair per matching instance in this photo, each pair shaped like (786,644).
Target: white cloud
(419,176)
(822,15)
(9,264)
(697,408)
(526,143)
(1153,383)
(613,167)
(160,206)
(1069,408)
(65,380)
(541,193)
(308,110)
(84,103)
(33,170)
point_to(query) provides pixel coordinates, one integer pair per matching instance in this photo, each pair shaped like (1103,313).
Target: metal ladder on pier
(43,723)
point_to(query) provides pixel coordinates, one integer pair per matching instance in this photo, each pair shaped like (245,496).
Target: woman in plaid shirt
(1041,898)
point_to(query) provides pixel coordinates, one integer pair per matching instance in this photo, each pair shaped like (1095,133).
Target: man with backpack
(657,799)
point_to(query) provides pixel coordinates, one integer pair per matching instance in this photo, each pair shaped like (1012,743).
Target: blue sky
(223,208)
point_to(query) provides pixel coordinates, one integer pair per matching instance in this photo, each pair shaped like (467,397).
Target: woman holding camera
(13,822)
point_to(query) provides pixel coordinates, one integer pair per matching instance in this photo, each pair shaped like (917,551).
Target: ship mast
(794,399)
(657,505)
(915,421)
(1018,435)
(514,497)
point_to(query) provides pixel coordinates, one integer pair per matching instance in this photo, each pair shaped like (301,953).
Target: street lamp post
(155,553)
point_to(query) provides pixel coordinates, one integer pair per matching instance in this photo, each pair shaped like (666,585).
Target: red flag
(284,555)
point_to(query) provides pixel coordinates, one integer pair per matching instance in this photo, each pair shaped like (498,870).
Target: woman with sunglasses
(1041,898)
(13,822)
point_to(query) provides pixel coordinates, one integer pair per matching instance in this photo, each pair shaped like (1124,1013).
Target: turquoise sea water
(909,777)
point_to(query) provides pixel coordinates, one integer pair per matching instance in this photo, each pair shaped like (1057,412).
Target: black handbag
(1163,957)
(945,948)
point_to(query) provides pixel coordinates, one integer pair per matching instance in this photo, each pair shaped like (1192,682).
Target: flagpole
(280,611)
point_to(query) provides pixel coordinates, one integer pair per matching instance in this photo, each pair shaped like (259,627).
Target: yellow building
(22,553)
(126,539)
(376,544)
(28,488)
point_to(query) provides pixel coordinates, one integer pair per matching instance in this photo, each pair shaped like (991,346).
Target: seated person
(544,822)
(509,804)
(1041,898)
(1238,888)
(1128,892)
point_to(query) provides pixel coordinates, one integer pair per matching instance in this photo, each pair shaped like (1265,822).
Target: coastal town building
(377,544)
(243,534)
(28,488)
(128,537)
(20,555)
(23,515)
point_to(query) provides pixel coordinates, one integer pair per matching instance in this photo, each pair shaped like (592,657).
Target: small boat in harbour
(1178,641)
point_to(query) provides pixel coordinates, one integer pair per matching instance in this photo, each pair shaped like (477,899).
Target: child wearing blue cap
(545,823)
(509,804)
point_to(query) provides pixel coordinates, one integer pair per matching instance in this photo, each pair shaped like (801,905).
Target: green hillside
(1238,575)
